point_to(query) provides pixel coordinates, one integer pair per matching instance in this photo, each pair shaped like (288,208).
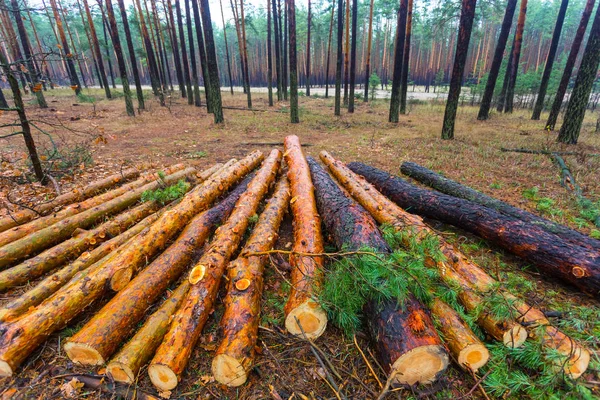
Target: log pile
(160,268)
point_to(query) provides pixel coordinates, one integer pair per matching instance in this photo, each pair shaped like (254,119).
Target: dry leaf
(71,389)
(165,395)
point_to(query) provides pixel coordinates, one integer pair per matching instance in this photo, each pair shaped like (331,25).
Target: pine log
(235,355)
(78,194)
(351,227)
(406,341)
(21,231)
(456,189)
(307,271)
(386,212)
(55,256)
(61,230)
(20,338)
(198,200)
(466,348)
(577,357)
(552,255)
(52,283)
(103,334)
(173,354)
(126,364)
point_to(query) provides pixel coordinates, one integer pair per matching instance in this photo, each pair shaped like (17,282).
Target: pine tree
(184,56)
(212,66)
(291,13)
(398,58)
(406,61)
(132,57)
(97,50)
(353,55)
(338,68)
(514,69)
(369,44)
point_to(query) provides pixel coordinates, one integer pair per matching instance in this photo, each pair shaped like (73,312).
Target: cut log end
(120,279)
(515,337)
(228,371)
(84,354)
(197,274)
(423,364)
(5,369)
(162,377)
(578,363)
(474,356)
(120,372)
(311,317)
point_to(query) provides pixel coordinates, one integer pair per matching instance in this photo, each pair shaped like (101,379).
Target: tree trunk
(406,60)
(502,96)
(462,48)
(197,101)
(269,56)
(329,50)
(125,366)
(453,188)
(552,255)
(97,50)
(235,355)
(107,48)
(227,47)
(369,43)
(291,13)
(346,52)
(353,55)
(278,67)
(114,34)
(586,75)
(132,57)
(284,53)
(515,67)
(566,77)
(307,272)
(3,104)
(21,231)
(308,50)
(54,282)
(486,100)
(245,55)
(202,53)
(42,239)
(539,104)
(398,58)
(75,85)
(175,48)
(104,333)
(79,194)
(152,63)
(173,354)
(184,56)
(212,65)
(338,67)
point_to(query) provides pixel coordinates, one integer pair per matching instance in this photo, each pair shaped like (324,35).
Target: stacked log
(453,188)
(235,355)
(103,334)
(407,344)
(576,357)
(19,338)
(18,232)
(79,194)
(303,315)
(61,230)
(173,354)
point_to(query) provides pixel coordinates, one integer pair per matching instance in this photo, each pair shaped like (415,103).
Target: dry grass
(185,133)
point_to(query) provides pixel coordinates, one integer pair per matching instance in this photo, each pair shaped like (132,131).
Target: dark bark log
(586,75)
(453,188)
(462,48)
(338,66)
(514,69)
(566,77)
(398,58)
(291,13)
(214,99)
(486,100)
(552,255)
(541,98)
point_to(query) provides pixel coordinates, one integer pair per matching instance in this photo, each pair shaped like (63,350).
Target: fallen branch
(547,152)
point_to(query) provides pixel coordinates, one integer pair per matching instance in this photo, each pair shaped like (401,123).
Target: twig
(387,386)
(333,385)
(547,152)
(367,362)
(478,384)
(271,144)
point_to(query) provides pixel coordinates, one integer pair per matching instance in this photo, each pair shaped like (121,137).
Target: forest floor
(95,138)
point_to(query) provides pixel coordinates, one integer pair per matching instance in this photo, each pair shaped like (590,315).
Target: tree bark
(486,100)
(104,333)
(329,50)
(566,77)
(553,256)
(369,43)
(75,85)
(212,65)
(184,56)
(97,50)
(462,48)
(175,48)
(132,57)
(514,69)
(453,188)
(353,55)
(235,355)
(406,59)
(269,56)
(398,58)
(227,47)
(308,50)
(541,99)
(586,75)
(338,66)
(197,100)
(152,62)
(278,67)
(202,53)
(291,13)
(173,354)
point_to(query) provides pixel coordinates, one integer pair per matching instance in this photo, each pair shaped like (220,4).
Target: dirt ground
(95,138)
